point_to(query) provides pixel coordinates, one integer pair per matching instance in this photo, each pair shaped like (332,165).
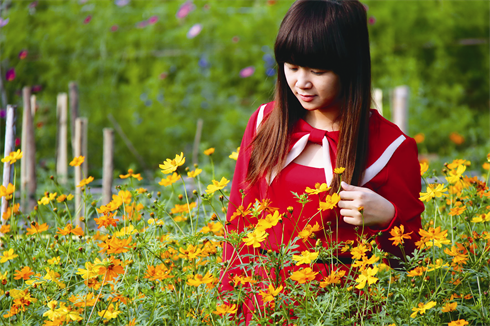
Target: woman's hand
(376,210)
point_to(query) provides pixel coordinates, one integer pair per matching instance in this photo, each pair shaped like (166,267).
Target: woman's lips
(306,98)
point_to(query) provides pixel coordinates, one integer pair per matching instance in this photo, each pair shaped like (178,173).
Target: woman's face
(315,89)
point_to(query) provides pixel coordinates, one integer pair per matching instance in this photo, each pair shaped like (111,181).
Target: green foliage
(157,82)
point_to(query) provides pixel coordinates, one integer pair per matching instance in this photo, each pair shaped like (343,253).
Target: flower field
(154,258)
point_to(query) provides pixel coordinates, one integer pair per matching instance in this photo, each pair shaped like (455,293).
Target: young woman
(321,119)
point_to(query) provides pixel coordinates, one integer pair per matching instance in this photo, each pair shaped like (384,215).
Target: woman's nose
(303,81)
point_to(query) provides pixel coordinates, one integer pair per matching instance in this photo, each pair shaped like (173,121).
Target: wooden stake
(73,87)
(62,159)
(108,166)
(400,107)
(8,169)
(197,140)
(378,100)
(80,150)
(23,162)
(30,148)
(33,105)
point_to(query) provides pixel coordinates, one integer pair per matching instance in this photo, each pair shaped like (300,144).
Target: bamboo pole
(33,105)
(73,89)
(378,100)
(8,169)
(23,162)
(197,140)
(400,107)
(80,150)
(108,166)
(62,159)
(30,147)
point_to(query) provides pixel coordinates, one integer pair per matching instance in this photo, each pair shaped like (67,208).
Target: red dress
(393,172)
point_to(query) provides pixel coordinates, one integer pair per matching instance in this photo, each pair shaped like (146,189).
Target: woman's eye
(317,72)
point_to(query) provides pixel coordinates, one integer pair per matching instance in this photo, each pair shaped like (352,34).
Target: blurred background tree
(159,66)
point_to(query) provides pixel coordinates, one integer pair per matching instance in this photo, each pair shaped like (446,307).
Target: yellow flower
(234,155)
(36,228)
(339,170)
(333,278)
(209,151)
(319,188)
(486,166)
(7,192)
(170,179)
(255,238)
(8,255)
(482,218)
(433,237)
(77,161)
(91,271)
(131,174)
(54,260)
(195,173)
(330,202)
(47,198)
(459,322)
(5,228)
(417,271)
(217,185)
(306,257)
(198,279)
(398,235)
(271,293)
(433,190)
(13,157)
(110,312)
(367,275)
(422,308)
(423,168)
(170,166)
(303,275)
(455,175)
(450,306)
(225,309)
(458,210)
(269,221)
(85,182)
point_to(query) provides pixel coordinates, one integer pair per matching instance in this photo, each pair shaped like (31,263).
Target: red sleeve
(238,223)
(402,188)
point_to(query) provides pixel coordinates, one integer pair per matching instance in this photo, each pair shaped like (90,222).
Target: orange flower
(24,273)
(36,228)
(131,174)
(456,138)
(330,202)
(85,182)
(419,138)
(105,221)
(5,228)
(398,235)
(303,275)
(112,270)
(77,161)
(225,309)
(209,151)
(459,322)
(116,245)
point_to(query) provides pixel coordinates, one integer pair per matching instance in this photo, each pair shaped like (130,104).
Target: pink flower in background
(235,39)
(163,75)
(371,20)
(142,24)
(153,20)
(4,22)
(185,9)
(17,141)
(247,72)
(114,28)
(121,3)
(10,75)
(36,88)
(194,31)
(33,4)
(88,19)
(22,54)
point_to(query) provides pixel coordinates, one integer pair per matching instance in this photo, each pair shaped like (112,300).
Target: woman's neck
(323,119)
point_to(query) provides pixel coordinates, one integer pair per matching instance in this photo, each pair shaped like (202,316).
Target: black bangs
(310,37)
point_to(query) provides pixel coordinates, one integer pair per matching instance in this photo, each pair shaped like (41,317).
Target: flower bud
(214,217)
(152,215)
(194,192)
(181,197)
(148,195)
(159,194)
(290,209)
